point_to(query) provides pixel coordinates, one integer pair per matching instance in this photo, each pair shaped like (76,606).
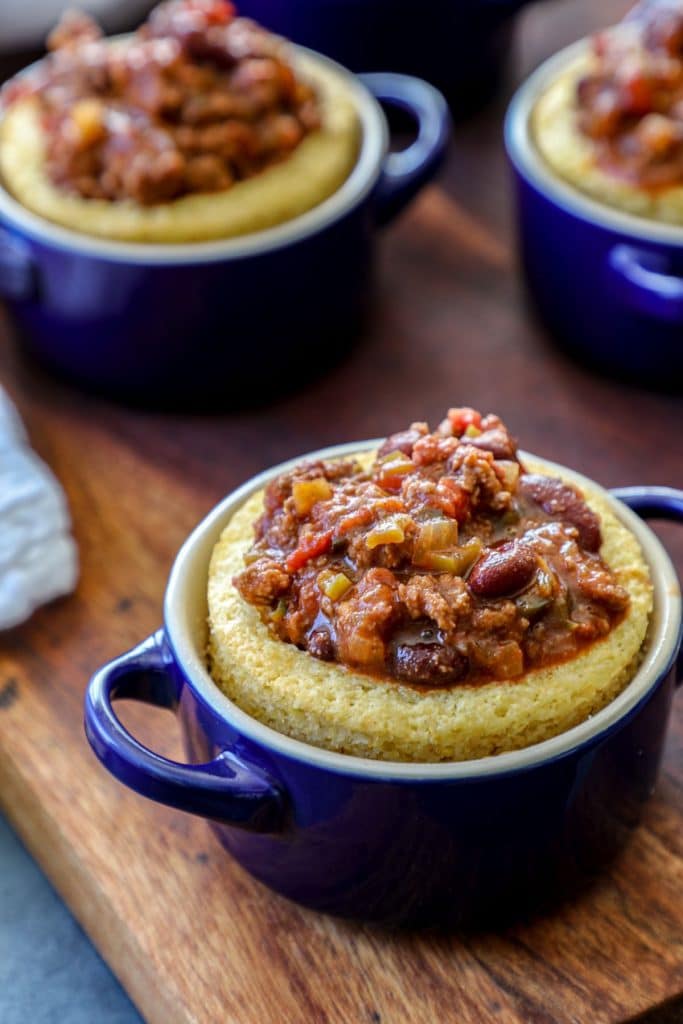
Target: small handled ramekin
(223,321)
(608,283)
(386,841)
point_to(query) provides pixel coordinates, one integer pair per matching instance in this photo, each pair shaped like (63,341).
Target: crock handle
(404,173)
(18,279)
(655,503)
(652,502)
(647,283)
(226,789)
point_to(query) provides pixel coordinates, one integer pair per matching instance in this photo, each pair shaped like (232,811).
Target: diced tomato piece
(461,419)
(310,547)
(638,96)
(452,498)
(389,482)
(358,517)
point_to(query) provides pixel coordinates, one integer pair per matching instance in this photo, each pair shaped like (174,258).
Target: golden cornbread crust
(572,155)
(333,707)
(311,173)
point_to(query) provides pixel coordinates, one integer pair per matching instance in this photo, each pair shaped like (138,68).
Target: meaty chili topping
(196,100)
(632,104)
(445,562)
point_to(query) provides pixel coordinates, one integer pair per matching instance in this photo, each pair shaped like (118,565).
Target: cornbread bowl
(329,705)
(603,266)
(310,174)
(387,840)
(178,323)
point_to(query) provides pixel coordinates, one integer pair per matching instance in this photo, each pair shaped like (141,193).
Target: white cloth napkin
(38,557)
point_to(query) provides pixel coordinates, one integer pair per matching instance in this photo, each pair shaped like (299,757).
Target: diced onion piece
(307,492)
(508,473)
(540,593)
(279,611)
(88,119)
(335,585)
(252,556)
(392,469)
(396,462)
(532,603)
(457,561)
(390,531)
(440,562)
(545,579)
(436,535)
(468,554)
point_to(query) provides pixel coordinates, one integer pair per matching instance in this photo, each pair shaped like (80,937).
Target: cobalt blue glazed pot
(383,841)
(223,321)
(608,284)
(462,48)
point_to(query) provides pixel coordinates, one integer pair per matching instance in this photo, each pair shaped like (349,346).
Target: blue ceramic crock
(608,284)
(220,321)
(390,842)
(461,47)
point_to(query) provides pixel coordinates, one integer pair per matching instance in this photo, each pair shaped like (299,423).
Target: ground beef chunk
(364,619)
(443,599)
(474,471)
(263,582)
(195,101)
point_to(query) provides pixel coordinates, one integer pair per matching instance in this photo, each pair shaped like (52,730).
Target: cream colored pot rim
(526,158)
(185,616)
(360,182)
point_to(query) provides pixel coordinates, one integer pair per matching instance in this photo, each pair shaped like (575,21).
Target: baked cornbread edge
(337,709)
(572,155)
(311,173)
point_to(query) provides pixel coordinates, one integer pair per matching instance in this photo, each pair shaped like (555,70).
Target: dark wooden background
(451,326)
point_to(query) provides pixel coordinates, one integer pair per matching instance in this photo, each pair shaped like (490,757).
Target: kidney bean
(431,664)
(560,500)
(320,644)
(404,441)
(503,571)
(496,441)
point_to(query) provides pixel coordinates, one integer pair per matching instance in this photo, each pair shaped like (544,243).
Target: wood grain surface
(193,939)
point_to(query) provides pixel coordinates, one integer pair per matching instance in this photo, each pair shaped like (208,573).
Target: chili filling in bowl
(611,123)
(201,125)
(441,598)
